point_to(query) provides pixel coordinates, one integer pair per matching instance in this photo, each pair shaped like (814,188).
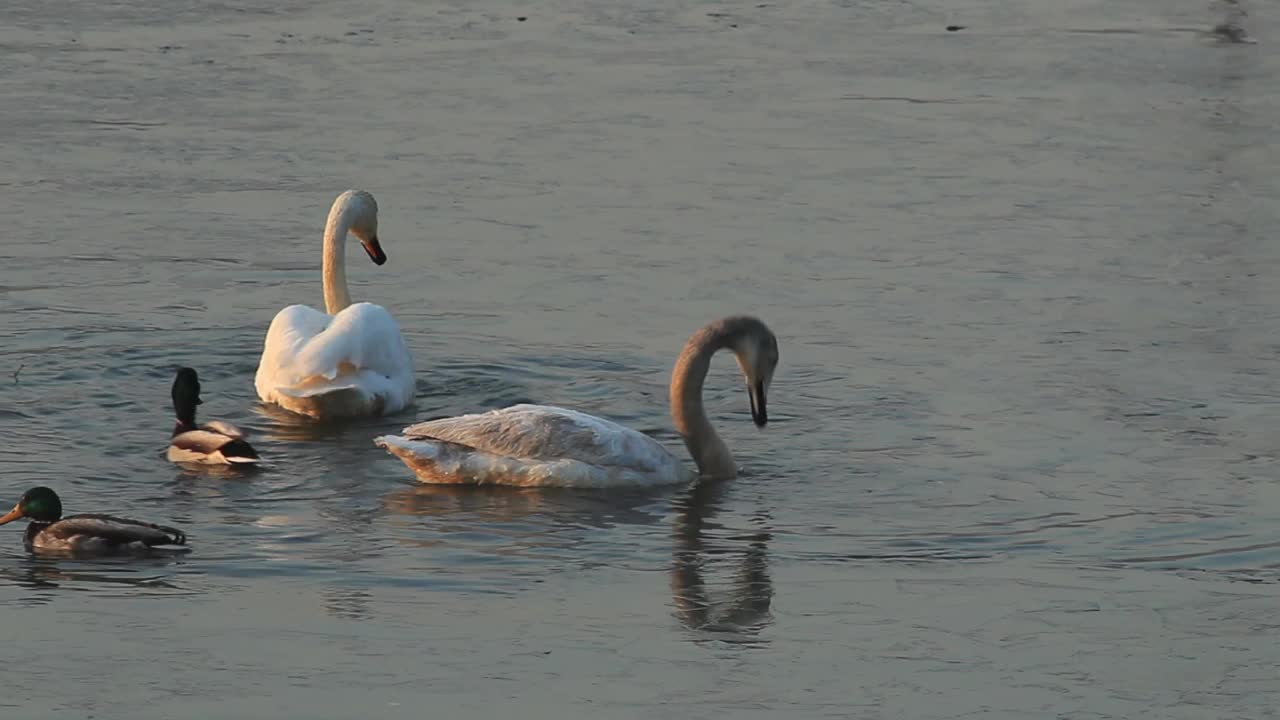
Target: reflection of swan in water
(488,504)
(283,426)
(485,504)
(745,609)
(347,455)
(502,539)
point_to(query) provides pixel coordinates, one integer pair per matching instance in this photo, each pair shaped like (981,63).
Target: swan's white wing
(290,331)
(364,336)
(358,354)
(534,445)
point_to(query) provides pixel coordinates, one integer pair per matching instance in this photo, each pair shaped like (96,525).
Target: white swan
(350,361)
(542,446)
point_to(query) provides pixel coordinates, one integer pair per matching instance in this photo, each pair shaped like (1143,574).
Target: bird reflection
(45,576)
(498,503)
(488,503)
(743,606)
(294,445)
(346,603)
(1231,28)
(283,427)
(222,472)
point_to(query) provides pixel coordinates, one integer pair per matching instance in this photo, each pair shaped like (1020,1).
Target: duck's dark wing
(239,451)
(114,530)
(203,442)
(225,428)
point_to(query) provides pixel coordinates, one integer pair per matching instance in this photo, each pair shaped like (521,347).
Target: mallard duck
(84,533)
(215,442)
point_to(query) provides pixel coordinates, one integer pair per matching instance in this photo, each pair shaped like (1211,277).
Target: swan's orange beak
(14,514)
(374,248)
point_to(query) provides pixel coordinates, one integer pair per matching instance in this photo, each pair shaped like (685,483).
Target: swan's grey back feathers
(534,446)
(544,432)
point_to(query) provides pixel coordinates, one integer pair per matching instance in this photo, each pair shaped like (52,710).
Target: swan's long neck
(687,413)
(334,265)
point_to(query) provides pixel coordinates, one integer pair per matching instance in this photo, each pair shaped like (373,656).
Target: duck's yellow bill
(14,514)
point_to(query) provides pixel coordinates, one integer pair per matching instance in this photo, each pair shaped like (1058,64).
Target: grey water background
(1022,460)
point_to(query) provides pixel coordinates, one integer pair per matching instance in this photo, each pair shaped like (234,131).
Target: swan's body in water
(351,360)
(544,446)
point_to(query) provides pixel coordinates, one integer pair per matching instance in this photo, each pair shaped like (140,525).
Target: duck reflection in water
(44,577)
(742,606)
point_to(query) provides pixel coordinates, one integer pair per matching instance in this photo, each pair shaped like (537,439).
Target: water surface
(1021,460)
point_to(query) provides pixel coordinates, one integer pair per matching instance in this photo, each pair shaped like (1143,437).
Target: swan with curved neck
(542,446)
(350,361)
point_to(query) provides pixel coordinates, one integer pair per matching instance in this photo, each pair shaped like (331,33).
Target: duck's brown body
(98,534)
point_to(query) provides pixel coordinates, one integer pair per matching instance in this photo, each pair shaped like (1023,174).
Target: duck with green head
(213,443)
(84,533)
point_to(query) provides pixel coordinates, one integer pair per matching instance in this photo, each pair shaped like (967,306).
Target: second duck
(216,442)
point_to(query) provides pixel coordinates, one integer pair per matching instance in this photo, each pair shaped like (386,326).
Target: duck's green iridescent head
(38,503)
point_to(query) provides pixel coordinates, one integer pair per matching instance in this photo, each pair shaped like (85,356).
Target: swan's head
(362,215)
(756,348)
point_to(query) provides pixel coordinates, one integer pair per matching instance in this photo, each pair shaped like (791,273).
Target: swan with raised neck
(351,360)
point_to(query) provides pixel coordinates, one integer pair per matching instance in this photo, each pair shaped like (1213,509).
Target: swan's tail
(330,400)
(438,461)
(314,389)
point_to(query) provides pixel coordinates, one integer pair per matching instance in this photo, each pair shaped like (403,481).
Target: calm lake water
(1023,457)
